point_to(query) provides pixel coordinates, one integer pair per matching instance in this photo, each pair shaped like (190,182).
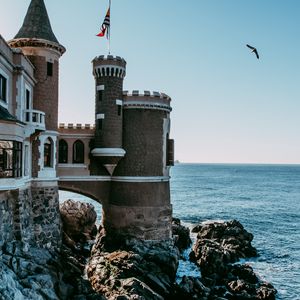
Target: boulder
(79,222)
(219,244)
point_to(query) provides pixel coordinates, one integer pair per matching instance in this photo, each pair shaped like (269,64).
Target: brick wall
(111,134)
(143,143)
(45,95)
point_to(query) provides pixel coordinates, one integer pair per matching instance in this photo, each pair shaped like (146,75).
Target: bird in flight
(253,50)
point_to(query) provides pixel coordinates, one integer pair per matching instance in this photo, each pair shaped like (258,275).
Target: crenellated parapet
(113,66)
(76,126)
(146,100)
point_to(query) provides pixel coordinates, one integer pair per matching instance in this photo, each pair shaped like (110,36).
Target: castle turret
(109,73)
(39,44)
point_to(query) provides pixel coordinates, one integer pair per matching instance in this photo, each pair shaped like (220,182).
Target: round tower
(139,203)
(39,44)
(41,47)
(109,73)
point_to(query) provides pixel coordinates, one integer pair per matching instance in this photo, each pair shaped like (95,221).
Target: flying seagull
(253,50)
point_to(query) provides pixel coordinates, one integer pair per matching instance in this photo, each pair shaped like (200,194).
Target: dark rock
(181,235)
(133,269)
(191,288)
(79,222)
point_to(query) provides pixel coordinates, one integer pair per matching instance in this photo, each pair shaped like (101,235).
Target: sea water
(264,198)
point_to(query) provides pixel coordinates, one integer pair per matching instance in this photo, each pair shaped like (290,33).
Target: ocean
(264,198)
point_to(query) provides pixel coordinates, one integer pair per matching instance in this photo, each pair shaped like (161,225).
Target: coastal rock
(40,274)
(191,288)
(79,222)
(219,244)
(217,247)
(181,235)
(135,270)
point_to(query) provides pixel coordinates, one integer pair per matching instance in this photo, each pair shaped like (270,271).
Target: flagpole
(109,27)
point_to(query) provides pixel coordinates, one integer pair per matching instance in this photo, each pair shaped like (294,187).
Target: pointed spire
(36,30)
(36,23)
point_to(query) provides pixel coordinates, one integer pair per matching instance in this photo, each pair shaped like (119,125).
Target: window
(119,110)
(48,149)
(100,95)
(27,99)
(49,69)
(100,124)
(169,152)
(10,159)
(3,88)
(78,152)
(63,152)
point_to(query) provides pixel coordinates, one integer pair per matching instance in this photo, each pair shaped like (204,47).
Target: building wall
(45,96)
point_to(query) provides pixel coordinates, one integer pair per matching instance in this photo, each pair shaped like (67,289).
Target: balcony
(35,118)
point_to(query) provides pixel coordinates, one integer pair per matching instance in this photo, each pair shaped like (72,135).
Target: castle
(122,161)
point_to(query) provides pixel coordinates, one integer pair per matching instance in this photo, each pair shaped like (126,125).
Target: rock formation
(133,269)
(219,245)
(79,222)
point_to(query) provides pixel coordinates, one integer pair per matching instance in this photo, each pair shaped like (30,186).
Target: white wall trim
(140,178)
(116,178)
(100,116)
(84,178)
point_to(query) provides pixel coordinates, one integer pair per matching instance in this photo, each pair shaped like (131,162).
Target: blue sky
(227,105)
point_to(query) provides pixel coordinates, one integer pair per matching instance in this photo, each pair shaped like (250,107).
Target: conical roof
(36,23)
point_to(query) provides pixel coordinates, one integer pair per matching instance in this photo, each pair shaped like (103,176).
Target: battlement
(109,65)
(147,100)
(109,58)
(71,128)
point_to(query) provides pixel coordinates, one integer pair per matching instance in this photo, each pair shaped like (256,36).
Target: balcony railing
(35,118)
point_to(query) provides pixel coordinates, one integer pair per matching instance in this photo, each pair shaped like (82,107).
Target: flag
(105,25)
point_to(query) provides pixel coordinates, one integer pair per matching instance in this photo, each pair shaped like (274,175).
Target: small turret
(109,73)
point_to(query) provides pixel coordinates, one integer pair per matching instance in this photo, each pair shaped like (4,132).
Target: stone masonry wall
(46,217)
(31,216)
(7,207)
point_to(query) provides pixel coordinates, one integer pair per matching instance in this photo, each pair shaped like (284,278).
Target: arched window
(63,152)
(78,152)
(48,153)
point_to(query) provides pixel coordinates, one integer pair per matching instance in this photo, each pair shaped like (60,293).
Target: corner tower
(39,44)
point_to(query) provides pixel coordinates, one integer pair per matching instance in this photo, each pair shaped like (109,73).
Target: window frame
(63,155)
(3,91)
(16,159)
(78,158)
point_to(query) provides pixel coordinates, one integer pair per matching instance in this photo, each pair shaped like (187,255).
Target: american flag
(105,25)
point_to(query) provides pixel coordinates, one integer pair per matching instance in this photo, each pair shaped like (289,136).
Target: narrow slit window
(27,99)
(100,95)
(49,69)
(100,124)
(119,110)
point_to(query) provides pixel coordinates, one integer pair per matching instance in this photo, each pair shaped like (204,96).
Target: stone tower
(39,44)
(109,73)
